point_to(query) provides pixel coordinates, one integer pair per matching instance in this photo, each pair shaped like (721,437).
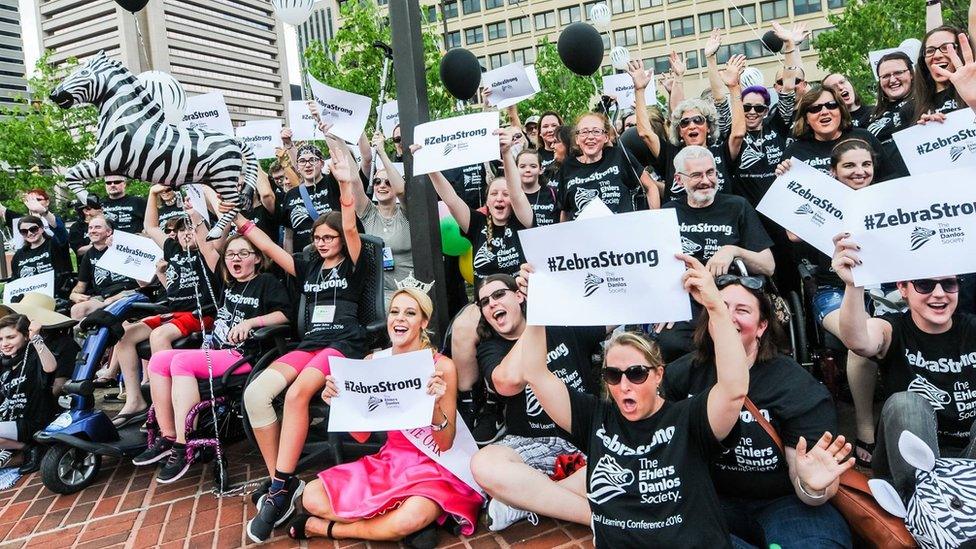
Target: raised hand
(795,36)
(436,386)
(713,43)
(635,68)
(667,81)
(379,140)
(819,467)
(734,68)
(964,77)
(845,257)
(678,65)
(344,166)
(700,283)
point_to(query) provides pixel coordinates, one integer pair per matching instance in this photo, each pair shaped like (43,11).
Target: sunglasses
(636,374)
(380,181)
(29,230)
(497,295)
(751,282)
(397,138)
(829,105)
(758,108)
(927,285)
(780,82)
(696,120)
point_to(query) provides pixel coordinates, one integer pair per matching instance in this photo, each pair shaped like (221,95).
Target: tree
(562,90)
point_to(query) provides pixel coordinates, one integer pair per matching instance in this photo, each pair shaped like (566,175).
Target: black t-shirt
(544,206)
(168,212)
(99,281)
(817,154)
(502,253)
(294,215)
(762,151)
(945,102)
(729,220)
(546,158)
(78,236)
(940,367)
(861,118)
(569,352)
(127,214)
(788,397)
(725,166)
(469,183)
(613,178)
(185,279)
(647,481)
(26,394)
(337,290)
(49,256)
(895,117)
(260,296)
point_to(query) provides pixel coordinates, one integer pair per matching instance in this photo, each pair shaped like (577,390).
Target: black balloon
(461,73)
(580,47)
(132,5)
(772,42)
(632,141)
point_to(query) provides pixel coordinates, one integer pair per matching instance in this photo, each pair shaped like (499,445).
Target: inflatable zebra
(135,141)
(941,514)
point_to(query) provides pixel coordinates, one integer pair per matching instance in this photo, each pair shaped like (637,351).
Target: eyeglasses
(636,374)
(29,230)
(312,160)
(927,285)
(243,254)
(397,138)
(944,48)
(594,132)
(892,75)
(380,181)
(497,295)
(751,282)
(325,238)
(278,177)
(697,177)
(780,81)
(697,120)
(758,108)
(829,105)
(630,125)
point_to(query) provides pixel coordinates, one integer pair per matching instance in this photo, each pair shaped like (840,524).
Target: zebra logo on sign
(608,480)
(920,236)
(936,397)
(591,284)
(804,209)
(373,403)
(689,247)
(955,152)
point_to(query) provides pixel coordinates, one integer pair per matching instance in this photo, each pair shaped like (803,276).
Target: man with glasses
(927,359)
(127,213)
(97,287)
(316,195)
(512,469)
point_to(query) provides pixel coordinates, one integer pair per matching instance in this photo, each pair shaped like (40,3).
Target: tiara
(411,282)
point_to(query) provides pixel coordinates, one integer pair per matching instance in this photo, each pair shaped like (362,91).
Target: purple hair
(757,89)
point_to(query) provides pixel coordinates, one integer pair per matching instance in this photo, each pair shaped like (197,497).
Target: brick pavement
(126,509)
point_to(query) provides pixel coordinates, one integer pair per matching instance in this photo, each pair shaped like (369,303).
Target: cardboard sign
(40,283)
(383,393)
(622,86)
(914,227)
(194,193)
(132,256)
(807,203)
(389,118)
(302,123)
(507,82)
(934,146)
(208,111)
(347,112)
(455,142)
(263,136)
(617,269)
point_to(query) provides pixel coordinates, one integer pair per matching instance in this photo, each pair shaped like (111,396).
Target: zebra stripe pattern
(134,140)
(608,480)
(942,512)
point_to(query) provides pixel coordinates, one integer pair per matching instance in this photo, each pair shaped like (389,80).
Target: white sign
(383,393)
(914,227)
(593,209)
(390,118)
(131,255)
(263,136)
(302,123)
(808,203)
(40,283)
(536,88)
(347,112)
(208,111)
(621,86)
(618,269)
(455,142)
(874,57)
(194,192)
(507,82)
(934,146)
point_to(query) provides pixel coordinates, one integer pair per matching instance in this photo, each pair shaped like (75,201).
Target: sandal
(122,420)
(863,453)
(105,382)
(296,528)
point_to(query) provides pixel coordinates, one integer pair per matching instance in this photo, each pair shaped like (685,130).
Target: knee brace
(259,395)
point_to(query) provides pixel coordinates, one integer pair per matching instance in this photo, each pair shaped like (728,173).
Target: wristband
(799,484)
(259,321)
(442,425)
(37,340)
(246,228)
(788,52)
(349,205)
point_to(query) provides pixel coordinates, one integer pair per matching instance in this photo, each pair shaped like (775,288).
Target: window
(452,40)
(625,37)
(470,6)
(525,55)
(755,49)
(723,54)
(742,15)
(691,59)
(653,32)
(492,4)
(587,6)
(520,25)
(430,13)
(621,6)
(569,15)
(606,41)
(801,7)
(474,35)
(547,20)
(711,20)
(496,60)
(661,64)
(684,26)
(644,4)
(833,4)
(497,30)
(774,10)
(450,10)
(675,1)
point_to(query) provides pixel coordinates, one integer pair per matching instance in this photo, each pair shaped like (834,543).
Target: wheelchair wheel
(221,477)
(801,348)
(66,469)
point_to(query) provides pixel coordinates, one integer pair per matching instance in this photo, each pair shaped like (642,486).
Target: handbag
(854,501)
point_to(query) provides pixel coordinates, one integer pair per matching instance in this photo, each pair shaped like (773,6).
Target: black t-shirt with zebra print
(728,220)
(614,178)
(569,356)
(187,279)
(502,254)
(544,206)
(99,281)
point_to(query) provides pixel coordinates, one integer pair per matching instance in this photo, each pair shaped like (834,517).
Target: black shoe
(257,496)
(426,538)
(175,467)
(468,408)
(490,425)
(275,510)
(32,459)
(161,449)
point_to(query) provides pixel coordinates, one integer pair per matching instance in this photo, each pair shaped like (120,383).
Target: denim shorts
(826,300)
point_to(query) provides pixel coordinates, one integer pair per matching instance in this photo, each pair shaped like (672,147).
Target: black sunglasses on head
(636,374)
(758,108)
(927,285)
(829,105)
(751,282)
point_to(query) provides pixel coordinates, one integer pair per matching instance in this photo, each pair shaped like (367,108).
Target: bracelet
(246,228)
(442,425)
(349,205)
(37,340)
(788,52)
(799,484)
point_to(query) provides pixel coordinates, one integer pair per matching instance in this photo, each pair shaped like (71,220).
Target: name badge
(323,314)
(387,258)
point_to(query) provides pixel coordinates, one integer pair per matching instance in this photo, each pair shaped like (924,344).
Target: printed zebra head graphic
(936,397)
(608,480)
(750,156)
(804,209)
(583,197)
(942,511)
(920,236)
(483,257)
(373,403)
(591,284)
(955,152)
(87,84)
(689,247)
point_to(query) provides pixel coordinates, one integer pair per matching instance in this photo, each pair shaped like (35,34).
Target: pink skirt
(375,484)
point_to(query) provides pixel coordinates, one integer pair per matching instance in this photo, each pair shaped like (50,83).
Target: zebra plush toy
(135,141)
(941,514)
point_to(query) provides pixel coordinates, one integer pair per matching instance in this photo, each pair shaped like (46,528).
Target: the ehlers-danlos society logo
(955,152)
(374,402)
(689,247)
(591,284)
(920,236)
(448,147)
(804,209)
(608,480)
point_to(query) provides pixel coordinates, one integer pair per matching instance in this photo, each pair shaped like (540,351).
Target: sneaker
(175,467)
(490,425)
(501,516)
(275,510)
(5,456)
(162,447)
(32,459)
(258,496)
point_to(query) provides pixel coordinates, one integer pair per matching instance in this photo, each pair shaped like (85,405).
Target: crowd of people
(648,434)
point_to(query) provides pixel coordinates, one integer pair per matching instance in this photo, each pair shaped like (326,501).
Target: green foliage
(562,90)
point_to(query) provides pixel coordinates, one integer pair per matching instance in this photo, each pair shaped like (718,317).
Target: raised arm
(208,248)
(730,76)
(549,389)
(455,204)
(933,15)
(345,171)
(260,240)
(677,92)
(521,206)
(863,334)
(636,70)
(151,222)
(48,362)
(711,62)
(265,192)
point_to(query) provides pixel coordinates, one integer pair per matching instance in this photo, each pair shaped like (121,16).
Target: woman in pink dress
(399,492)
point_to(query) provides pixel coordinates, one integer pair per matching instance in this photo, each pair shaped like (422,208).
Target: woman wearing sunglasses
(42,253)
(768,496)
(925,355)
(647,471)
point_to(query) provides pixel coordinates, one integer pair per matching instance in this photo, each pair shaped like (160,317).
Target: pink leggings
(193,362)
(318,359)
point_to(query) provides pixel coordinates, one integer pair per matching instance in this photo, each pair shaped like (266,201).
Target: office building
(12,82)
(320,27)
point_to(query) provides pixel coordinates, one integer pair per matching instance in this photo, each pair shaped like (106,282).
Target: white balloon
(619,57)
(293,12)
(168,92)
(600,15)
(751,76)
